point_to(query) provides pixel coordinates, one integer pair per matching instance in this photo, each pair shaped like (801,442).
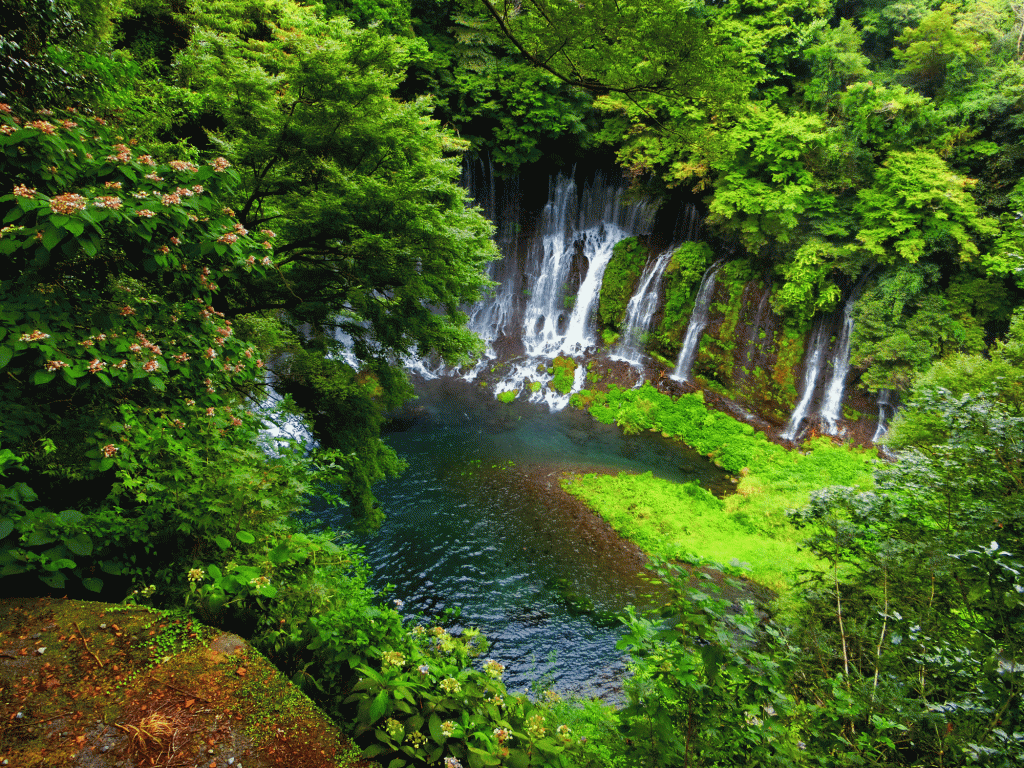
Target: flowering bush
(111,264)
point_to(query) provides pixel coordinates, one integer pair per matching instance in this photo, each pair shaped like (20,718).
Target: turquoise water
(474,523)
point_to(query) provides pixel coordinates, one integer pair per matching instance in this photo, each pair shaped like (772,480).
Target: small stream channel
(477,521)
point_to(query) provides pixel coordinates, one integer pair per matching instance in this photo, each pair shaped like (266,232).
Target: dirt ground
(93,685)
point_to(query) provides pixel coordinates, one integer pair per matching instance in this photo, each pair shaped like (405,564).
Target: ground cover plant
(750,525)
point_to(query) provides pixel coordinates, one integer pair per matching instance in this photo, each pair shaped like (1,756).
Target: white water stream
(812,367)
(698,322)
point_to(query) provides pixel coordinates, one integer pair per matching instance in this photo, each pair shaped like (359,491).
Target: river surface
(476,521)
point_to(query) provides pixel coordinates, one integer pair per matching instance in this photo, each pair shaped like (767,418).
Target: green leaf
(105,465)
(245,537)
(43,377)
(93,584)
(434,726)
(6,526)
(80,544)
(71,516)
(379,706)
(216,601)
(38,538)
(51,238)
(54,580)
(221,542)
(215,572)
(6,353)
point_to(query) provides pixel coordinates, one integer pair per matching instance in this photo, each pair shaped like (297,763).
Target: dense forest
(199,198)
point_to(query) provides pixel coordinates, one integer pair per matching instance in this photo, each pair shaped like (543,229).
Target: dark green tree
(377,250)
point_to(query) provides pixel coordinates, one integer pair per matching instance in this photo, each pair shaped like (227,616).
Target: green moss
(619,281)
(507,396)
(772,479)
(679,520)
(681,279)
(790,350)
(563,369)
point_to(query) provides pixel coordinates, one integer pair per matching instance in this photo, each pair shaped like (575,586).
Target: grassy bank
(749,528)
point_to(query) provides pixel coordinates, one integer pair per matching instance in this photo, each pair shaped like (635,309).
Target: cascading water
(887,407)
(832,406)
(495,316)
(698,322)
(640,311)
(812,368)
(534,306)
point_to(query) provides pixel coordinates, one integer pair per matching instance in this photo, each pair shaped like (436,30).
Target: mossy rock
(99,684)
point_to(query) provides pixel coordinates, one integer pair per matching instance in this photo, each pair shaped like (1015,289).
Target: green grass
(750,525)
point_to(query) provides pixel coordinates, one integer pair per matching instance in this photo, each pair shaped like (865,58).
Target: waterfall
(812,367)
(831,409)
(496,315)
(640,310)
(644,302)
(887,407)
(549,281)
(698,322)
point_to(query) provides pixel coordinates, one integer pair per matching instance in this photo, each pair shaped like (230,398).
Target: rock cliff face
(592,273)
(95,684)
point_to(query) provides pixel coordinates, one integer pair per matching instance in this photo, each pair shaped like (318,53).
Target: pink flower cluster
(181,165)
(42,125)
(67,204)
(113,203)
(22,191)
(220,165)
(123,155)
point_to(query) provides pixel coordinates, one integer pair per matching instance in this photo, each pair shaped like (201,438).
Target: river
(477,521)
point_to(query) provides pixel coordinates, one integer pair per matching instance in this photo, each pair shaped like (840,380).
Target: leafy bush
(124,385)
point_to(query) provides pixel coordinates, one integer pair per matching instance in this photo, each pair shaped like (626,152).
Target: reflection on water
(470,524)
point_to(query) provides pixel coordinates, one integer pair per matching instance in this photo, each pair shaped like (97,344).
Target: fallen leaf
(189,703)
(240,671)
